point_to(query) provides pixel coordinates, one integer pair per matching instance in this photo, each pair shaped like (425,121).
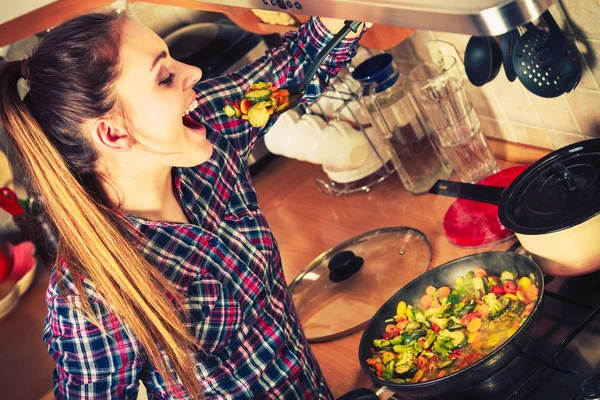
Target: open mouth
(187,120)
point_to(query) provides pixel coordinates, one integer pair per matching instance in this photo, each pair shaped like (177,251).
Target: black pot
(445,275)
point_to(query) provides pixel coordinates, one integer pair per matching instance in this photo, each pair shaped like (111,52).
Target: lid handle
(468,191)
(343,265)
(565,178)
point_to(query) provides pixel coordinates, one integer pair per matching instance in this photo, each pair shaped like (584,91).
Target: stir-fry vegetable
(452,328)
(259,103)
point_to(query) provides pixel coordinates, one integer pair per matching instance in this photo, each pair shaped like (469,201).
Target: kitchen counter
(305,223)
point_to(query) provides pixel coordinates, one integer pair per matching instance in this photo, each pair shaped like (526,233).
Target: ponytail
(97,243)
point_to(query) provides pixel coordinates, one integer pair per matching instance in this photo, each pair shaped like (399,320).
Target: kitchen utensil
(297,91)
(445,275)
(507,46)
(417,161)
(553,207)
(335,297)
(546,62)
(470,223)
(482,59)
(9,202)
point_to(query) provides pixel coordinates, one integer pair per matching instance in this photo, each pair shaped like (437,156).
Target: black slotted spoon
(546,62)
(297,91)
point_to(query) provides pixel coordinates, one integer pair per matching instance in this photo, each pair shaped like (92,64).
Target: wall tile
(403,50)
(497,129)
(583,17)
(561,139)
(558,14)
(590,50)
(484,101)
(586,107)
(555,113)
(459,41)
(514,101)
(531,135)
(419,41)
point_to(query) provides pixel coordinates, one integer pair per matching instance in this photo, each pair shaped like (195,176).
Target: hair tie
(25,69)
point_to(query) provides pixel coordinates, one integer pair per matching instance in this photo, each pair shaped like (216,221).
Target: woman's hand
(334,25)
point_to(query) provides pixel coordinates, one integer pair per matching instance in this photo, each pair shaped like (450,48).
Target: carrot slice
(444,291)
(426,301)
(430,290)
(474,325)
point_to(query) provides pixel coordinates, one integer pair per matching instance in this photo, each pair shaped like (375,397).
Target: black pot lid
(557,192)
(340,291)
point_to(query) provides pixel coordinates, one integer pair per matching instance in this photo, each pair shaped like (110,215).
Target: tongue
(190,123)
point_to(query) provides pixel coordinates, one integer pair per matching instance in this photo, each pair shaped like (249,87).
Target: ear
(110,136)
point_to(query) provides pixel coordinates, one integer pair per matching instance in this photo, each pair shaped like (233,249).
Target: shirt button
(213,242)
(268,320)
(205,309)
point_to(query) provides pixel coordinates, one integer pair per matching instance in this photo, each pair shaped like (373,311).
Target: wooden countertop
(305,223)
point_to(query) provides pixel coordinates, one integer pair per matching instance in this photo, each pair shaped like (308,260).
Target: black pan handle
(468,191)
(359,394)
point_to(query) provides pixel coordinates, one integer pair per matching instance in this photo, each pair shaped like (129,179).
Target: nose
(191,75)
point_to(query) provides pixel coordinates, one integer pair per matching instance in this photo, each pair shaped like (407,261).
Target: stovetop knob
(590,388)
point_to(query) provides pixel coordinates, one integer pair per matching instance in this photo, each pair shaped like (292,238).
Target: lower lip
(195,126)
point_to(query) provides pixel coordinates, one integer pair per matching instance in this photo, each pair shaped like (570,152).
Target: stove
(562,359)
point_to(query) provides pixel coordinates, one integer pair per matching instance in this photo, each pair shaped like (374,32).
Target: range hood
(475,17)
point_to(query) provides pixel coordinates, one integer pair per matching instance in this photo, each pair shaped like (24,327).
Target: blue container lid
(375,71)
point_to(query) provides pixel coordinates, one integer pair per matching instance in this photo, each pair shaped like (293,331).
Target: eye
(168,80)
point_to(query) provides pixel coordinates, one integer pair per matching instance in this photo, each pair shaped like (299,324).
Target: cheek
(158,121)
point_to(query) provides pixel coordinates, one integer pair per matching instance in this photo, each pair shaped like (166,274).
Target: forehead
(139,46)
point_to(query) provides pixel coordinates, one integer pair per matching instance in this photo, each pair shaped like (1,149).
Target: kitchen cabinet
(36,19)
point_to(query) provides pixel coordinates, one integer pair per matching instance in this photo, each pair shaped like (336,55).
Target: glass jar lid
(340,291)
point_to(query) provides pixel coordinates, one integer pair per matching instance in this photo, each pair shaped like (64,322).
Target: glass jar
(417,160)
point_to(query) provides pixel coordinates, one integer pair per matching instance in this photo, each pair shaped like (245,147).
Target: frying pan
(445,275)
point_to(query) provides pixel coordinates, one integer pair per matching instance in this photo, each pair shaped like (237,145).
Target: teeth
(191,107)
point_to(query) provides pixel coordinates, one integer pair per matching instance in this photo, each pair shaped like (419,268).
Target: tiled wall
(509,111)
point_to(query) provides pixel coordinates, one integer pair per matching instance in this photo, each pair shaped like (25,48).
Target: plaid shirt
(226,261)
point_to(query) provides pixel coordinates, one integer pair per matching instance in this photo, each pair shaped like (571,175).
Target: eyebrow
(162,55)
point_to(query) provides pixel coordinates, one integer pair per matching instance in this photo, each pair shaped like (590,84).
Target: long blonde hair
(71,78)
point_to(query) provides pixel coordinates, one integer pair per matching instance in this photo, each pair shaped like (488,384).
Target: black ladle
(297,91)
(507,45)
(482,59)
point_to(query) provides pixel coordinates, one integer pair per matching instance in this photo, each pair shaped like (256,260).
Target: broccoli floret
(388,371)
(411,326)
(446,310)
(419,317)
(516,307)
(413,348)
(442,347)
(496,307)
(441,322)
(509,274)
(432,312)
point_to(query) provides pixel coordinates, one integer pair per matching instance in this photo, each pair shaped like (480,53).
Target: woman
(167,271)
